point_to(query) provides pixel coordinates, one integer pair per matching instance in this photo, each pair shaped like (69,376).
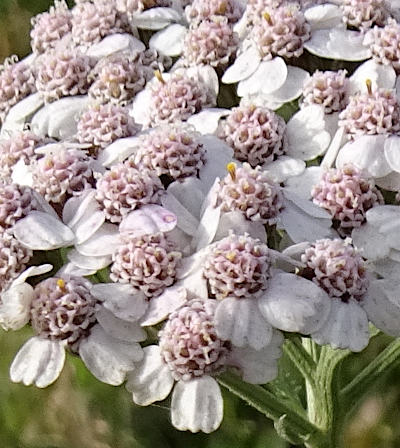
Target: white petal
(203,73)
(388,267)
(41,231)
(284,168)
(195,285)
(20,113)
(155,18)
(239,321)
(115,43)
(15,306)
(306,205)
(218,155)
(323,16)
(207,228)
(71,269)
(236,222)
(392,152)
(103,242)
(206,121)
(148,219)
(381,76)
(141,106)
(170,40)
(307,133)
(243,67)
(258,366)
(269,76)
(118,151)
(122,300)
(383,214)
(292,303)
(186,221)
(39,362)
(338,43)
(197,405)
(22,174)
(346,327)
(373,244)
(161,306)
(86,262)
(107,358)
(187,192)
(151,380)
(389,182)
(59,119)
(290,90)
(32,271)
(301,226)
(366,153)
(337,142)
(118,328)
(382,305)
(303,184)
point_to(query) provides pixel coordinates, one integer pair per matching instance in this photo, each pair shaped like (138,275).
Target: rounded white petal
(243,67)
(392,152)
(345,327)
(148,219)
(283,168)
(170,40)
(118,328)
(373,244)
(197,405)
(258,366)
(39,362)
(237,222)
(58,119)
(381,76)
(269,76)
(382,304)
(290,90)
(161,306)
(292,303)
(103,242)
(118,151)
(323,16)
(239,321)
(366,153)
(140,109)
(115,43)
(206,121)
(20,113)
(15,306)
(151,380)
(303,183)
(107,358)
(41,231)
(307,133)
(156,18)
(122,300)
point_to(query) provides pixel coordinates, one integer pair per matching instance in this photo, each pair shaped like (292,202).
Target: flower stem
(382,364)
(276,409)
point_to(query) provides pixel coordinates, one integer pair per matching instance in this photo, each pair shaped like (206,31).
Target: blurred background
(80,412)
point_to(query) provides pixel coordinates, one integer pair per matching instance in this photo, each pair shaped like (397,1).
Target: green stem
(301,359)
(266,403)
(382,364)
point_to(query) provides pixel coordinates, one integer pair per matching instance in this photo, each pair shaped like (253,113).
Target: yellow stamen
(231,168)
(230,256)
(267,17)
(61,284)
(158,75)
(368,83)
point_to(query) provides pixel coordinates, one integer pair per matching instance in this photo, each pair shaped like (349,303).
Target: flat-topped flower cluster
(189,236)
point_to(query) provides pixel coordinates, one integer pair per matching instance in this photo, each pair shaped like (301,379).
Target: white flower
(67,314)
(191,353)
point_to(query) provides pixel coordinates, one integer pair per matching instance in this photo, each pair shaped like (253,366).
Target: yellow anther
(267,17)
(368,83)
(158,75)
(61,283)
(222,8)
(230,256)
(231,168)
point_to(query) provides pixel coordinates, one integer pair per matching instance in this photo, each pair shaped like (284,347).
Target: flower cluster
(221,216)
